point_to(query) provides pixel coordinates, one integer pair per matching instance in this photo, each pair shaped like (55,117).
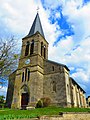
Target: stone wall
(78,94)
(68,116)
(54,83)
(10,89)
(68,92)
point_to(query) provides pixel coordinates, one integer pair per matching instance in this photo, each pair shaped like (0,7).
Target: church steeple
(35,43)
(36,27)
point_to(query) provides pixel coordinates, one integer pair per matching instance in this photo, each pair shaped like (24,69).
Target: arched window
(25,74)
(32,47)
(44,51)
(22,76)
(28,75)
(41,48)
(27,49)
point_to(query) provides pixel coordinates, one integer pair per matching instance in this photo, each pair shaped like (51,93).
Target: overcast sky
(66,25)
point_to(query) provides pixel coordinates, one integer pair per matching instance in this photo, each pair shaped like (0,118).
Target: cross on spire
(38,9)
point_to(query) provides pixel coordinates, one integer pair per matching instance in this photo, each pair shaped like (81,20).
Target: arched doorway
(24,96)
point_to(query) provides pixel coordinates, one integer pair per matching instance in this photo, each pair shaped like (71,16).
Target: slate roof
(36,27)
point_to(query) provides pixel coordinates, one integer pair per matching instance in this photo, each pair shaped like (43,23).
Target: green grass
(9,114)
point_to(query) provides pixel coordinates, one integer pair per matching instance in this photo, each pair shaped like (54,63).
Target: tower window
(27,49)
(25,74)
(53,68)
(28,75)
(44,51)
(41,48)
(32,47)
(22,76)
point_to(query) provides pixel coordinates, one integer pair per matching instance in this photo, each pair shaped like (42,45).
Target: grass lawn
(6,114)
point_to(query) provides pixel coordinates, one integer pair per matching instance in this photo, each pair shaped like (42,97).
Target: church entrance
(24,100)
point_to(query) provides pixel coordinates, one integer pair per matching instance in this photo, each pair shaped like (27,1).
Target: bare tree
(8,57)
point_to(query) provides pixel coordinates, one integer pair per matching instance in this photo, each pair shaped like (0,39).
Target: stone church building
(37,77)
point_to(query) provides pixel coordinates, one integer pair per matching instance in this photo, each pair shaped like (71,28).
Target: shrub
(2,105)
(39,104)
(2,99)
(46,101)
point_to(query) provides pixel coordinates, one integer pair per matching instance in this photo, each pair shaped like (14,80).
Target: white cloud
(79,18)
(18,17)
(80,75)
(81,55)
(57,52)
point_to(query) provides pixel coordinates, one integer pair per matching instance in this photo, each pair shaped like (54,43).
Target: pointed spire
(36,26)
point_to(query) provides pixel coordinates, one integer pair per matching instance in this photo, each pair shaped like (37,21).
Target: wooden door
(24,100)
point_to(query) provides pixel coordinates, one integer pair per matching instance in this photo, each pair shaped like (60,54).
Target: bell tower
(30,72)
(34,44)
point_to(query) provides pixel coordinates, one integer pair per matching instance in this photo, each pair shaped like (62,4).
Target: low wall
(68,116)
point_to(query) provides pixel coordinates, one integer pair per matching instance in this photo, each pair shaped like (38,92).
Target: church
(37,77)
